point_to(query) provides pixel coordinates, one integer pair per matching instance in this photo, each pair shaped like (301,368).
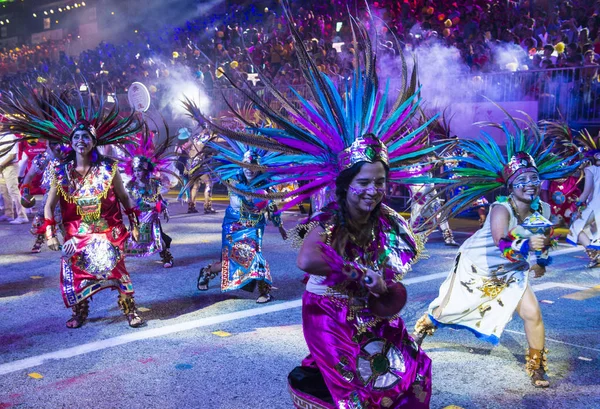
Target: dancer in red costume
(90,192)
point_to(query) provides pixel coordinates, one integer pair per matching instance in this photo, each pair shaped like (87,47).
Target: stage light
(34,15)
(83,3)
(7,21)
(60,10)
(51,11)
(68,7)
(2,22)
(45,13)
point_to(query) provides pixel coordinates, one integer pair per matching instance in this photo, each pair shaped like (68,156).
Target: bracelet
(544,261)
(50,230)
(133,214)
(43,226)
(514,249)
(353,271)
(25,189)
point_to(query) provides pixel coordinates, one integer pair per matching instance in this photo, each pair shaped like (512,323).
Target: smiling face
(526,186)
(82,142)
(366,190)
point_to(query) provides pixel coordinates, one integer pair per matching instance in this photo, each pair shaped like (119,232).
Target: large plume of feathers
(160,155)
(39,112)
(313,132)
(588,143)
(481,171)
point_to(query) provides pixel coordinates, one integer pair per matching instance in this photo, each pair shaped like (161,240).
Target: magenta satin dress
(365,361)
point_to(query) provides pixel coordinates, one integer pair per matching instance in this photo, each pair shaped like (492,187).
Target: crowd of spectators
(565,35)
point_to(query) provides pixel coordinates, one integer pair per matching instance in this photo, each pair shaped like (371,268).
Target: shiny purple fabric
(332,343)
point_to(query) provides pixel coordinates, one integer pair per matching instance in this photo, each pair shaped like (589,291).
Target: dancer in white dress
(489,280)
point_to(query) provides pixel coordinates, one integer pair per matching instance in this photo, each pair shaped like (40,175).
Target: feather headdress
(588,143)
(338,125)
(41,113)
(490,167)
(156,158)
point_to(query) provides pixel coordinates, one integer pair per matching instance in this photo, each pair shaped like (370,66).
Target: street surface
(210,350)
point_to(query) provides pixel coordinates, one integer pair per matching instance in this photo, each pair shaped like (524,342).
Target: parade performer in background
(425,204)
(41,170)
(198,152)
(355,249)
(242,264)
(28,151)
(585,226)
(149,166)
(14,212)
(562,194)
(489,281)
(89,189)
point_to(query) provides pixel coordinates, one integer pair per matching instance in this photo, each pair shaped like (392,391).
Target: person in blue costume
(242,264)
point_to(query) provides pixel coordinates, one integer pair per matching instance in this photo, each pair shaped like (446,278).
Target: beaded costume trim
(89,194)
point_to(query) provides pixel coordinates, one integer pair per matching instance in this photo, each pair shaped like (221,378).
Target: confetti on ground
(36,277)
(547,301)
(583,358)
(184,366)
(143,309)
(36,375)
(222,333)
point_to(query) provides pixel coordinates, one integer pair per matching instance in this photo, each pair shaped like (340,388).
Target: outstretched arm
(50,229)
(310,258)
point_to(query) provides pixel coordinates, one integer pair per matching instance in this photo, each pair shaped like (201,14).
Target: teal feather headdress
(490,167)
(41,113)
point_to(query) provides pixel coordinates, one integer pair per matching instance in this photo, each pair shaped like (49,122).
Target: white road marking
(428,277)
(557,341)
(551,284)
(27,363)
(141,335)
(569,249)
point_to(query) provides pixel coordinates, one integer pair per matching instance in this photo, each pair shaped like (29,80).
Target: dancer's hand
(537,242)
(537,270)
(283,233)
(54,244)
(135,233)
(375,283)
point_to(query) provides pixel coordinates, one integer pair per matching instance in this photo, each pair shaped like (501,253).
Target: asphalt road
(212,350)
